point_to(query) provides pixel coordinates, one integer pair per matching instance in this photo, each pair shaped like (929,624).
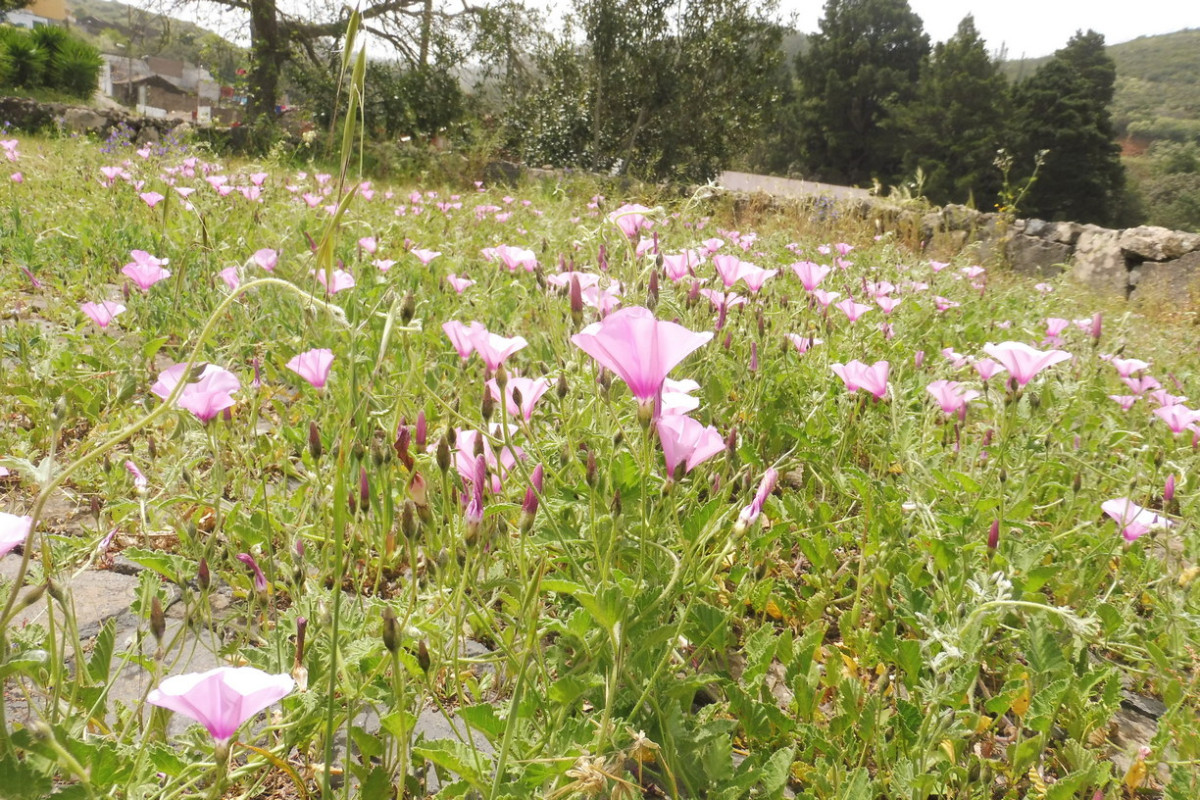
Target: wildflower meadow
(634,495)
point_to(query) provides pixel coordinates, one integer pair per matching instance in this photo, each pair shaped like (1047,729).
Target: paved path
(786,187)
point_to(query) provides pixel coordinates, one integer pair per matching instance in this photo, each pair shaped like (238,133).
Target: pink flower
(266,258)
(803,343)
(1134,520)
(685,441)
(857,375)
(678,267)
(514,257)
(986,368)
(139,479)
(722,302)
(1125,401)
(603,300)
(425,256)
(1141,385)
(1044,288)
(824,297)
(102,313)
(1022,361)
(887,304)
(313,365)
(1127,366)
(631,219)
(1178,417)
(751,512)
(677,398)
(944,303)
(851,309)
(951,395)
(145,270)
(810,273)
(494,348)
(341,280)
(530,391)
(459,285)
(732,269)
(222,698)
(639,348)
(257,178)
(462,336)
(369,244)
(14,531)
(231,277)
(151,198)
(205,397)
(17,177)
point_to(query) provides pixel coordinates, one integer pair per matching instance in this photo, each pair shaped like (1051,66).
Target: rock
(1099,261)
(1033,227)
(77,119)
(961,218)
(1030,255)
(1149,243)
(1174,282)
(148,135)
(1063,232)
(502,172)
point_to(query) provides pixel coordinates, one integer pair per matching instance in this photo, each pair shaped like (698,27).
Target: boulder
(1175,282)
(1150,243)
(80,119)
(1063,232)
(1030,255)
(1099,261)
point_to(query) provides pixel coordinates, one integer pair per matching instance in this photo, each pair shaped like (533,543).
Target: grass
(859,639)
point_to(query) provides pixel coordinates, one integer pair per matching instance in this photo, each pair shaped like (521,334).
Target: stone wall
(1146,263)
(26,114)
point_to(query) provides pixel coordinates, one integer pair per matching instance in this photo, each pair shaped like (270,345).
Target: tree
(953,128)
(1064,109)
(660,90)
(861,66)
(416,29)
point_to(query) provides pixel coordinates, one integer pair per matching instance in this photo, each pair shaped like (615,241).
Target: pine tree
(953,128)
(1064,109)
(861,66)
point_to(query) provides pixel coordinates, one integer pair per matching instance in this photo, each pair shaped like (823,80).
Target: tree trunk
(268,52)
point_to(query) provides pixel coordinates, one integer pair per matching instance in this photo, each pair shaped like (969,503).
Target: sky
(1032,28)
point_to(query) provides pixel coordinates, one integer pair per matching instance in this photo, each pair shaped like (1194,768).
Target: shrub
(27,60)
(76,67)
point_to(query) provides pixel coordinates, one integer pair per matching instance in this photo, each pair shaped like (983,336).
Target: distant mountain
(1158,85)
(121,29)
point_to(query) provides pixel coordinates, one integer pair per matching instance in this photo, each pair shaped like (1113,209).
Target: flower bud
(391,631)
(918,358)
(403,438)
(423,656)
(408,308)
(562,388)
(421,435)
(158,620)
(652,290)
(364,490)
(1077,483)
(590,471)
(993,538)
(203,578)
(487,406)
(408,519)
(443,454)
(753,357)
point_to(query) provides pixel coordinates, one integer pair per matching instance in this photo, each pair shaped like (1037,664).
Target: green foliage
(1063,109)
(27,61)
(860,68)
(660,91)
(48,58)
(953,127)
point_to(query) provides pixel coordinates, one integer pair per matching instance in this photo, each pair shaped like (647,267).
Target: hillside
(115,27)
(1158,85)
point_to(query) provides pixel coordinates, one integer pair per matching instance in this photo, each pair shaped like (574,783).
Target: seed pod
(158,620)
(391,631)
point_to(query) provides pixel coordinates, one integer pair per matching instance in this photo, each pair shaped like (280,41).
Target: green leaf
(369,745)
(22,782)
(100,661)
(482,717)
(151,348)
(377,786)
(171,566)
(455,757)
